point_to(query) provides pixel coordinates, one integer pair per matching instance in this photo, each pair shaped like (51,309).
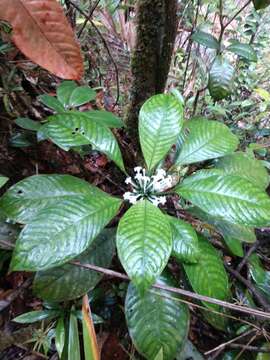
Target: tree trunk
(151,59)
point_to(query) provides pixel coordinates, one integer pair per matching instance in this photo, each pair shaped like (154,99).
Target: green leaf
(157,321)
(185,241)
(259,275)
(27,124)
(208,276)
(225,228)
(3,180)
(261,4)
(221,79)
(234,245)
(69,282)
(243,50)
(52,103)
(144,243)
(64,92)
(34,316)
(73,339)
(24,200)
(159,355)
(81,95)
(105,118)
(206,140)
(60,336)
(205,39)
(75,129)
(241,164)
(231,198)
(62,231)
(160,122)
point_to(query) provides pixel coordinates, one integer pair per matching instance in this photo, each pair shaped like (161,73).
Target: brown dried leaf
(42,32)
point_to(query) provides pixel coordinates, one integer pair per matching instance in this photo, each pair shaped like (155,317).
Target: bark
(156,32)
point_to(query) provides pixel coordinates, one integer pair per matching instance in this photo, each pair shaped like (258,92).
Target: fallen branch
(243,309)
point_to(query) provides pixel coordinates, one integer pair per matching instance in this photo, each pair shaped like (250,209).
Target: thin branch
(249,348)
(260,299)
(246,257)
(238,12)
(91,12)
(243,309)
(223,345)
(106,47)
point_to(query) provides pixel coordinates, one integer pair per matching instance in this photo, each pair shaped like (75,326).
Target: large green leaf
(62,231)
(52,103)
(26,198)
(245,51)
(225,228)
(68,282)
(81,95)
(243,165)
(157,321)
(144,243)
(160,122)
(234,245)
(105,118)
(38,315)
(206,140)
(205,39)
(261,4)
(185,241)
(60,336)
(208,276)
(3,180)
(231,198)
(75,128)
(64,92)
(259,275)
(220,79)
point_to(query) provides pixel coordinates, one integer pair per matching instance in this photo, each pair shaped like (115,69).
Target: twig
(243,309)
(87,20)
(249,348)
(237,13)
(11,297)
(260,299)
(106,47)
(246,257)
(223,345)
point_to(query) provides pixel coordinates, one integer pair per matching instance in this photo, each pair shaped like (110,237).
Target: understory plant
(192,170)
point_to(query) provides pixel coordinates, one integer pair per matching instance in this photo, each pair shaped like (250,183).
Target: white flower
(128,180)
(138,169)
(131,197)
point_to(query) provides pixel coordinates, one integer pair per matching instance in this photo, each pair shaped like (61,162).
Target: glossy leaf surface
(81,95)
(156,321)
(34,316)
(75,129)
(231,198)
(208,277)
(185,241)
(62,231)
(25,199)
(206,140)
(3,180)
(205,39)
(241,164)
(27,124)
(225,228)
(144,243)
(64,91)
(160,122)
(259,275)
(245,51)
(220,79)
(73,338)
(52,103)
(69,282)
(105,118)
(60,336)
(41,31)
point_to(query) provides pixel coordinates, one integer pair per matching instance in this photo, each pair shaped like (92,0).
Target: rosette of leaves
(62,216)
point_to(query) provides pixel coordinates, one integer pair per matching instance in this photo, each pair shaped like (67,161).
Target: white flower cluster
(146,187)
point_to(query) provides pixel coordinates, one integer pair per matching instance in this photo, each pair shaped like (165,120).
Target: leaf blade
(91,349)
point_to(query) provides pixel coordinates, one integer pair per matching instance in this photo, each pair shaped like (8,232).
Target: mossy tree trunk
(156,32)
